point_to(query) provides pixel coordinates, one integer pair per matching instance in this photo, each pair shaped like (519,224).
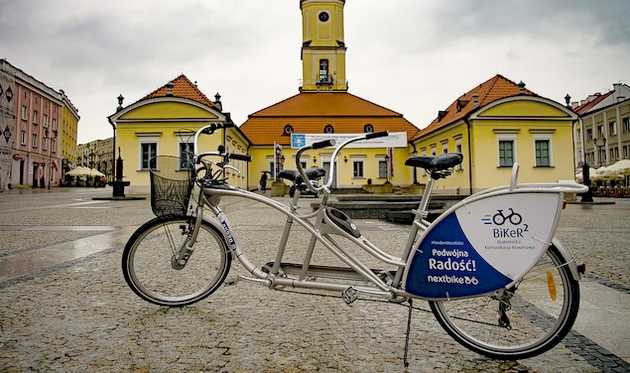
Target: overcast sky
(414,57)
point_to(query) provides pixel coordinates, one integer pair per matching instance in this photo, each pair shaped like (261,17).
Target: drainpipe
(470,180)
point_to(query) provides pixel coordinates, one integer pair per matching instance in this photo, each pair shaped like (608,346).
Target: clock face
(323,16)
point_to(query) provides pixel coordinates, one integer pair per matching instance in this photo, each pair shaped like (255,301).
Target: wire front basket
(171,185)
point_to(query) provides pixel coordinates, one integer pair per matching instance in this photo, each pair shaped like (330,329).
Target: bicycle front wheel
(150,268)
(523,321)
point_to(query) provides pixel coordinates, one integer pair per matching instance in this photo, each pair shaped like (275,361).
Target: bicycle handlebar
(241,157)
(327,143)
(323,144)
(376,135)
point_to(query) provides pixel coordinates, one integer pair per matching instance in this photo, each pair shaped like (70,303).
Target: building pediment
(169,109)
(524,107)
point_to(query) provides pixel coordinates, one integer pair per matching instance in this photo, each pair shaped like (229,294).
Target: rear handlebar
(323,144)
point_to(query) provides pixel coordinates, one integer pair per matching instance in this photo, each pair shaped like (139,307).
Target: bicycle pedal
(349,295)
(231,281)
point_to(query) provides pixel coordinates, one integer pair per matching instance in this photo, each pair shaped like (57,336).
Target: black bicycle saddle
(294,175)
(437,162)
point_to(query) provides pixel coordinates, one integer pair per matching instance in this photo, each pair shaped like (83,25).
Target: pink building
(32,134)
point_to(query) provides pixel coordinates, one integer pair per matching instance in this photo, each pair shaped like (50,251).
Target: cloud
(414,57)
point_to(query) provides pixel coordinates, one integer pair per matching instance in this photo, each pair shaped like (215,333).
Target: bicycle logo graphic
(500,218)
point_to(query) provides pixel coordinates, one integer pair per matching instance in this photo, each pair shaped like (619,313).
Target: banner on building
(394,140)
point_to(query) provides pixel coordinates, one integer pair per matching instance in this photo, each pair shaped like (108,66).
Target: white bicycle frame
(323,229)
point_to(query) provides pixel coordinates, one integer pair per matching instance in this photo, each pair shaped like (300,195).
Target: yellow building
(163,123)
(69,129)
(495,125)
(324,108)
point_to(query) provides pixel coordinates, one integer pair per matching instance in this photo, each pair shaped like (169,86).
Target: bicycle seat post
(423,210)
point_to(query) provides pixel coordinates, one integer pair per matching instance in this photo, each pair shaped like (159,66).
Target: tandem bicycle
(496,278)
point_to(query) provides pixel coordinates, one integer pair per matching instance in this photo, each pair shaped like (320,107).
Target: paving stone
(82,316)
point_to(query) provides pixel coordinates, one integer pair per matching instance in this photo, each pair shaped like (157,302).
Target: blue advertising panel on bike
(482,245)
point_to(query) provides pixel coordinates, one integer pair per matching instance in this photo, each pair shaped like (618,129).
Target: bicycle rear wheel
(523,321)
(151,272)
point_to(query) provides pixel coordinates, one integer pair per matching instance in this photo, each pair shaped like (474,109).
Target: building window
(23,138)
(34,141)
(329,129)
(612,128)
(589,134)
(506,153)
(368,128)
(272,166)
(444,146)
(626,124)
(600,132)
(24,113)
(53,145)
(35,117)
(45,121)
(323,71)
(543,156)
(149,151)
(382,168)
(357,169)
(614,154)
(288,130)
(185,156)
(458,149)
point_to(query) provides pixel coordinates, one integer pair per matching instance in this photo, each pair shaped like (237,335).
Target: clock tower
(323,46)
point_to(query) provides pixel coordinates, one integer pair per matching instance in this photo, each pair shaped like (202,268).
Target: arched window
(329,129)
(288,130)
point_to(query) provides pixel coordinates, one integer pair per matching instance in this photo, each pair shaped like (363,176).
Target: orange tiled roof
(311,112)
(184,88)
(496,88)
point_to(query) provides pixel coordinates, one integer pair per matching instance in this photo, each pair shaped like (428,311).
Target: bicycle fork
(180,257)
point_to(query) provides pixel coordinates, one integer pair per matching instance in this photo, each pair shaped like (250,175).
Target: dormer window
(329,129)
(288,130)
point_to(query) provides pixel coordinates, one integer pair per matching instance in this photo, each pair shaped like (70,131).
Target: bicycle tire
(537,321)
(149,272)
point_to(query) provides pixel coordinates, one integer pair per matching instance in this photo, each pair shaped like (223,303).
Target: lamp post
(46,136)
(120,99)
(596,142)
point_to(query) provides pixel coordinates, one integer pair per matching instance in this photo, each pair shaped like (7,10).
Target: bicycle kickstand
(405,361)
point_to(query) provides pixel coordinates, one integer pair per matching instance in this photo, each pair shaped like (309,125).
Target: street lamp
(596,142)
(54,136)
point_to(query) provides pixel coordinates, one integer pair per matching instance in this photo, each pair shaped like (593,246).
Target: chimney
(217,101)
(169,88)
(475,100)
(521,87)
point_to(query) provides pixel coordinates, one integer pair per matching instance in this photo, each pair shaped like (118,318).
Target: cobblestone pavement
(65,307)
